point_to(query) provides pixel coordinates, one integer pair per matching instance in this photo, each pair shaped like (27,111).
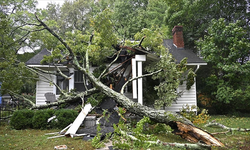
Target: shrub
(202,117)
(190,113)
(22,119)
(63,118)
(40,118)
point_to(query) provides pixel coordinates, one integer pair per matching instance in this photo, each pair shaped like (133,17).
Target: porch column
(134,82)
(71,80)
(140,87)
(137,71)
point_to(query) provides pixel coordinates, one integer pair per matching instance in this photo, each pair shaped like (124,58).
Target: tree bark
(67,99)
(180,124)
(177,145)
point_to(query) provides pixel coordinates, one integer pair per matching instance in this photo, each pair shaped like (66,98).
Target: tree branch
(177,145)
(55,35)
(227,128)
(19,96)
(145,75)
(49,81)
(102,74)
(68,98)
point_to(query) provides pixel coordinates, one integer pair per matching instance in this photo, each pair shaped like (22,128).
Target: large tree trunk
(180,124)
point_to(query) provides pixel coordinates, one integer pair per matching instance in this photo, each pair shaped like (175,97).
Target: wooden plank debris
(61,132)
(78,121)
(57,136)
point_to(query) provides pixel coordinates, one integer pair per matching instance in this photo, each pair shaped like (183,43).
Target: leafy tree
(155,17)
(196,16)
(155,12)
(226,49)
(129,16)
(13,38)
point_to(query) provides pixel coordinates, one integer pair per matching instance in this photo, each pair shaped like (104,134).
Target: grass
(232,140)
(36,139)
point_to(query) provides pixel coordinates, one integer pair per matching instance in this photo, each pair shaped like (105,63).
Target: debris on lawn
(86,124)
(51,118)
(78,121)
(61,147)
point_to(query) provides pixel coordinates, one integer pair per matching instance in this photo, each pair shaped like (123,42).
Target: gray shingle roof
(179,54)
(36,60)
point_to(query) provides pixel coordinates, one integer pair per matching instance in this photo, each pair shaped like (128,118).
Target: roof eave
(192,64)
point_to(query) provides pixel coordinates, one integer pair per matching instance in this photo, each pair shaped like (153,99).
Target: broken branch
(145,75)
(227,128)
(178,145)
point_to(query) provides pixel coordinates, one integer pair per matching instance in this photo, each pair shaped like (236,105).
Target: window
(78,77)
(62,83)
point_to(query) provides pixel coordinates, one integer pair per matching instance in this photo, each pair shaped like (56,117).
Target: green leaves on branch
(104,28)
(153,40)
(13,74)
(169,78)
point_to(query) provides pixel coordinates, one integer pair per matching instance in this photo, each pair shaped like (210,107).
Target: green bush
(64,117)
(40,118)
(22,119)
(190,113)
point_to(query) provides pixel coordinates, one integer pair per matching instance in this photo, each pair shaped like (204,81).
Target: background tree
(196,16)
(129,16)
(226,48)
(14,38)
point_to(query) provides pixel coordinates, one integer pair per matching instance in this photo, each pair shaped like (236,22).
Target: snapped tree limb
(211,124)
(66,99)
(177,145)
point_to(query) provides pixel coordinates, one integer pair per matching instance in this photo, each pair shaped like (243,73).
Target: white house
(127,66)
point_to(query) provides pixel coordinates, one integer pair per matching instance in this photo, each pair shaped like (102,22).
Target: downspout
(198,66)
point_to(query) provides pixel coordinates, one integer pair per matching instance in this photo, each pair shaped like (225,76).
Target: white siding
(43,87)
(188,97)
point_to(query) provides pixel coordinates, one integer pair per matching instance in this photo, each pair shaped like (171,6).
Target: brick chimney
(178,37)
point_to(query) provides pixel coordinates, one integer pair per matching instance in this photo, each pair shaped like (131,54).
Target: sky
(43,3)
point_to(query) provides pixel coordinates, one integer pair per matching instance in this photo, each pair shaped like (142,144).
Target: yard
(36,139)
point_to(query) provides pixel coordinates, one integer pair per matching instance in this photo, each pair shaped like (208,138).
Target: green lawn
(36,139)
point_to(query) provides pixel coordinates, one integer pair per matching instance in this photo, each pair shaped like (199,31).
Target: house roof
(180,53)
(36,60)
(177,53)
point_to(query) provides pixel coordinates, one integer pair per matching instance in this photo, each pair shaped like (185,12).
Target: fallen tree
(181,125)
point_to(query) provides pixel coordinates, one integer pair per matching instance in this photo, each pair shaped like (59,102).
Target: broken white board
(78,121)
(61,132)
